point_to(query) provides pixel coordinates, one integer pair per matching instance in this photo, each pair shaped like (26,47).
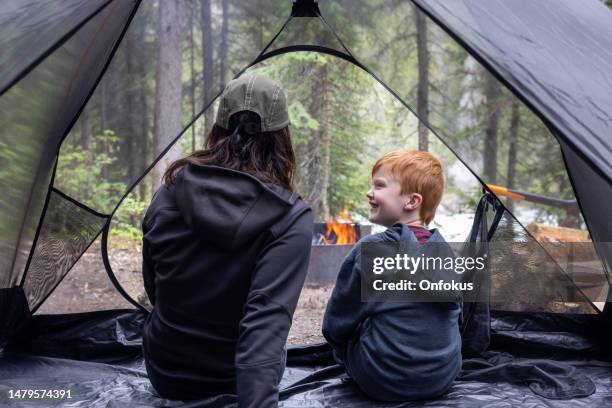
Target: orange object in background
(503,191)
(342,227)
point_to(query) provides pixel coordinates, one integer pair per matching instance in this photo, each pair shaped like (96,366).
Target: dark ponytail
(244,126)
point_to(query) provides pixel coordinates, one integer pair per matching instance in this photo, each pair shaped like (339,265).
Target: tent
(553,56)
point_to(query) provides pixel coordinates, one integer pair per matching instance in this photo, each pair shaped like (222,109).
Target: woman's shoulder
(298,218)
(163,199)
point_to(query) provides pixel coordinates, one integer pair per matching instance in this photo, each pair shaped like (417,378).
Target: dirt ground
(88,288)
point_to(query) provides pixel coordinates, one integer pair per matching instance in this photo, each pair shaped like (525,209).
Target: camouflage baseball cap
(257,94)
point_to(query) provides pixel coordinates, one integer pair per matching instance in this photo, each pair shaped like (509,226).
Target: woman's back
(224,260)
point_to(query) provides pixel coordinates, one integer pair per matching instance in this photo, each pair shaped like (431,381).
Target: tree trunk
(101,147)
(124,116)
(317,157)
(260,36)
(423,84)
(135,117)
(141,116)
(145,156)
(207,55)
(223,46)
(143,63)
(492,94)
(310,165)
(86,129)
(325,135)
(512,140)
(192,11)
(168,88)
(103,119)
(118,116)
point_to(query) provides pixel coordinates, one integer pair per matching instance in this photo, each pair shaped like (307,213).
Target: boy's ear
(415,200)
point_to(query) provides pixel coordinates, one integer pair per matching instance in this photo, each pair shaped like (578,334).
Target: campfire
(331,242)
(339,230)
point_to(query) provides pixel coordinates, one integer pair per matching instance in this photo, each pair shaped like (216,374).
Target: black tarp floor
(97,356)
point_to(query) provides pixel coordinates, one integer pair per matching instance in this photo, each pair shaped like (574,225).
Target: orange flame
(343,227)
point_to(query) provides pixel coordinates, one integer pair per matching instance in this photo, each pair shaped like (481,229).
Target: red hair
(417,172)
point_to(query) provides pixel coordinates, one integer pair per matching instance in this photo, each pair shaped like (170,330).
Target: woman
(225,251)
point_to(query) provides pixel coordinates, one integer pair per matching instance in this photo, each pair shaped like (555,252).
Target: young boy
(396,351)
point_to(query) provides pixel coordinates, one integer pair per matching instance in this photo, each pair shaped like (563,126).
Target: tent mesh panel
(29,28)
(525,277)
(66,233)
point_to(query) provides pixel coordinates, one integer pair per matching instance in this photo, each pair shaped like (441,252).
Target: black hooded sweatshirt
(224,260)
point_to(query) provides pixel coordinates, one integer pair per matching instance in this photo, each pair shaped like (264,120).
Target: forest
(176,57)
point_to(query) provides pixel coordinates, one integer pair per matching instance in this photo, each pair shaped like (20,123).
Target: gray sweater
(394,350)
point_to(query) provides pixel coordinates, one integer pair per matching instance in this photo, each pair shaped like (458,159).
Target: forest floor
(87,288)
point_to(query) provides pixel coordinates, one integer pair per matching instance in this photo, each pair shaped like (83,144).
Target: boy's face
(387,205)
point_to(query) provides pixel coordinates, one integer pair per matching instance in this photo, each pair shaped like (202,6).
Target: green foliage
(126,222)
(83,172)
(301,118)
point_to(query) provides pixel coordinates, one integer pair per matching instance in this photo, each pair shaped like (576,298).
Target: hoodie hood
(401,232)
(229,207)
